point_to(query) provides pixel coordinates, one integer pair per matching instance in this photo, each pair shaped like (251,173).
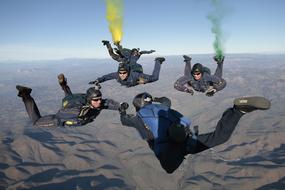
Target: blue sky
(56,29)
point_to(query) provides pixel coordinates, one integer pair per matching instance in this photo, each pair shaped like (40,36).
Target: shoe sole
(60,78)
(21,88)
(23,91)
(255,101)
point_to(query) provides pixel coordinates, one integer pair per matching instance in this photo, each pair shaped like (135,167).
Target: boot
(105,42)
(186,58)
(62,80)
(160,59)
(23,91)
(218,59)
(249,104)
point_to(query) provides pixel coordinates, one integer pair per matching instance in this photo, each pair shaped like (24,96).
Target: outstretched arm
(109,76)
(131,120)
(118,45)
(110,104)
(115,56)
(123,51)
(147,52)
(182,85)
(128,119)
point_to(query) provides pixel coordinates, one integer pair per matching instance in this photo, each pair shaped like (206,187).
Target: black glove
(95,82)
(117,43)
(190,91)
(211,91)
(123,107)
(97,86)
(219,59)
(105,42)
(187,58)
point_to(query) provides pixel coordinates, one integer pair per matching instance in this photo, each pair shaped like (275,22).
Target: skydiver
(117,55)
(168,132)
(128,77)
(132,55)
(125,55)
(77,109)
(199,78)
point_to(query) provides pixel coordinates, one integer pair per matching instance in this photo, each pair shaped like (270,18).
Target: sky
(58,29)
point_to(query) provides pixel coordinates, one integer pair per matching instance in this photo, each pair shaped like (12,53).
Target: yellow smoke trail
(115,18)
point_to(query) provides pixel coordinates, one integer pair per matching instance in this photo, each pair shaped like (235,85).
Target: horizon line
(102,58)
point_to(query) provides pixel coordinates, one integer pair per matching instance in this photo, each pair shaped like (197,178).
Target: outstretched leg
(31,106)
(187,69)
(157,66)
(219,73)
(227,124)
(182,83)
(144,78)
(219,69)
(63,83)
(222,133)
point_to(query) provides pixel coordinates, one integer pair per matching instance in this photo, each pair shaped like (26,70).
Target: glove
(211,91)
(141,80)
(123,107)
(97,86)
(190,91)
(95,82)
(152,51)
(105,42)
(117,43)
(216,58)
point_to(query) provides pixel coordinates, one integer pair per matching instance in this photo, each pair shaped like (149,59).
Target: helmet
(141,100)
(123,67)
(92,93)
(197,68)
(135,49)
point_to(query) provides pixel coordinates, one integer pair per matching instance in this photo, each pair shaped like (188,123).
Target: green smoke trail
(216,17)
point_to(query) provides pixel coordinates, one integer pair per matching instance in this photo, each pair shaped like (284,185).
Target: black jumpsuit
(75,110)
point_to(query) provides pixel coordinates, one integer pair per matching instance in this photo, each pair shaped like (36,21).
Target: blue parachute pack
(158,118)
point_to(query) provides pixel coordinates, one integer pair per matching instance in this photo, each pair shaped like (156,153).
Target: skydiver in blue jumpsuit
(169,133)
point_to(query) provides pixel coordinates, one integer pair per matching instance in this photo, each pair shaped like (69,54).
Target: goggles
(122,73)
(96,99)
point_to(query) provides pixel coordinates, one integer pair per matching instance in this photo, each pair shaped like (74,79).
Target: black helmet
(123,67)
(135,49)
(197,68)
(141,100)
(93,93)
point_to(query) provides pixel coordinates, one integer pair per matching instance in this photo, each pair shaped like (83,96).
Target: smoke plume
(215,18)
(114,16)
